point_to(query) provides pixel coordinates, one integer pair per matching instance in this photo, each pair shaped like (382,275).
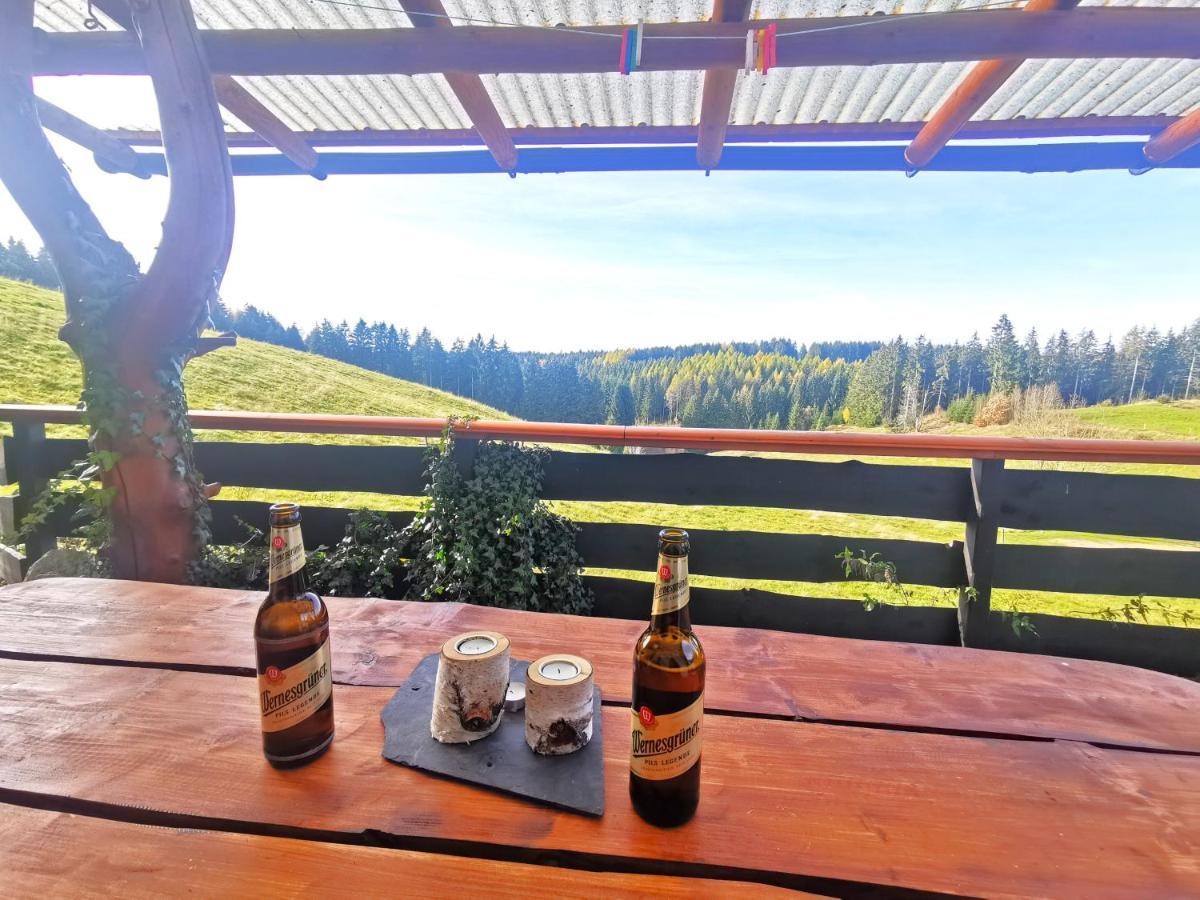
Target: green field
(36,367)
(1154,421)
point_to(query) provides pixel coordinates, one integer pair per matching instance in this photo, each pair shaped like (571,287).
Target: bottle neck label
(671,592)
(286,552)
(666,746)
(289,696)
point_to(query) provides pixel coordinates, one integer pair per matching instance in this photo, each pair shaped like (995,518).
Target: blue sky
(599,261)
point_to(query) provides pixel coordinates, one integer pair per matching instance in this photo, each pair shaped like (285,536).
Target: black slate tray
(502,761)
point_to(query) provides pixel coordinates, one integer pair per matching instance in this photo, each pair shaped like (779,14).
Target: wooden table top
(831,766)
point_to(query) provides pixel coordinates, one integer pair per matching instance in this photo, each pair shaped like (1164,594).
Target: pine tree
(1003,357)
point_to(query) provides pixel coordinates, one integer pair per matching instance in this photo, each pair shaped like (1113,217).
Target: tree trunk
(158,512)
(132,332)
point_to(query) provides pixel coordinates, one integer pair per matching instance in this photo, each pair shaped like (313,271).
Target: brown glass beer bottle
(668,696)
(291,640)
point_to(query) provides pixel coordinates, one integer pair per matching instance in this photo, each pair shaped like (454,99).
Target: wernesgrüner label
(287,552)
(671,590)
(289,696)
(668,745)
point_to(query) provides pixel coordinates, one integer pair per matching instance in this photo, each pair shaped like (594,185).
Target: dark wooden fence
(984,497)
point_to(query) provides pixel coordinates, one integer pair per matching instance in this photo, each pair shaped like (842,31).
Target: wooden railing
(983,497)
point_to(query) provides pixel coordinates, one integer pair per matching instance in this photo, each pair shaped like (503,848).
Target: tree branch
(198,228)
(84,255)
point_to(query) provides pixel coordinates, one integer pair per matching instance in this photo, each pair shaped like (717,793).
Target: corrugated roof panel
(1039,89)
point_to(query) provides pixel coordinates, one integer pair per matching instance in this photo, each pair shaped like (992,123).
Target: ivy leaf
(106,459)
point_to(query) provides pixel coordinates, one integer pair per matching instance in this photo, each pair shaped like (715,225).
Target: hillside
(37,367)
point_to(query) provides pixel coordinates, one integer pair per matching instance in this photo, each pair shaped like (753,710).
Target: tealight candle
(469,690)
(475,645)
(559,701)
(559,669)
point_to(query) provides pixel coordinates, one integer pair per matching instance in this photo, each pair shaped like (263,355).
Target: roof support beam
(116,153)
(981,83)
(717,100)
(1014,129)
(240,102)
(1087,32)
(1174,139)
(1059,157)
(266,124)
(469,89)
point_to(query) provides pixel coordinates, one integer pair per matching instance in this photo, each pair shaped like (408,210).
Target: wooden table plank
(869,806)
(49,854)
(759,672)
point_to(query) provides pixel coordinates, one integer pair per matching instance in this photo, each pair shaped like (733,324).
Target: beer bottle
(668,696)
(291,642)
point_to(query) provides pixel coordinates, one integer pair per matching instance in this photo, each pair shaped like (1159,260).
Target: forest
(775,383)
(780,384)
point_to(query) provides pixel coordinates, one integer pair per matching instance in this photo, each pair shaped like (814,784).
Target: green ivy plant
(873,569)
(487,537)
(243,566)
(1139,609)
(367,562)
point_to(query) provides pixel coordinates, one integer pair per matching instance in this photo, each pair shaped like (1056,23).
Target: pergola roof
(1047,96)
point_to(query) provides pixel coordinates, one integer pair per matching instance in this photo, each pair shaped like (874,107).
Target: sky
(602,261)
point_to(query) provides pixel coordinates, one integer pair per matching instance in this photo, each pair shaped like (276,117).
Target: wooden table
(831,766)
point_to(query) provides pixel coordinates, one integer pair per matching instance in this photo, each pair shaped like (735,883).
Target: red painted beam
(818,442)
(719,84)
(1090,32)
(1076,126)
(980,84)
(468,88)
(1174,139)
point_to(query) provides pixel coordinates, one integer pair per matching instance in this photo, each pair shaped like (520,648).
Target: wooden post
(27,441)
(979,552)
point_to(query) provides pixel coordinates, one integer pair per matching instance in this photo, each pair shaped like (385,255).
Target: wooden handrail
(954,446)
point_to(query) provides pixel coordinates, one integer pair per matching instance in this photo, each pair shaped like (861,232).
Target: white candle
(473,646)
(559,669)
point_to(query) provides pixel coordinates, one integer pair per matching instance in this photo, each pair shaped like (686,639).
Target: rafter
(717,99)
(1088,32)
(1174,139)
(240,102)
(119,155)
(979,86)
(468,88)
(266,124)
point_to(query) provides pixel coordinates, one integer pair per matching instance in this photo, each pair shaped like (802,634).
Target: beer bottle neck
(287,562)
(672,594)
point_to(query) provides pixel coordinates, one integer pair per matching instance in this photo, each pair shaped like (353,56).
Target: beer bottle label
(289,696)
(671,590)
(666,746)
(287,552)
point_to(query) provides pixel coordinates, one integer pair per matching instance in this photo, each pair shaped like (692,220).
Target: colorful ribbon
(760,49)
(631,48)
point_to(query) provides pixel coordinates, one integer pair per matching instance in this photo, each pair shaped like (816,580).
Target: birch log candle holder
(468,693)
(558,704)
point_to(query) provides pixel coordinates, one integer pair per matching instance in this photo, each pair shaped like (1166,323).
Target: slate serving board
(502,761)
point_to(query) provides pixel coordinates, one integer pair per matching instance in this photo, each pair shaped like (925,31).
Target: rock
(63,563)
